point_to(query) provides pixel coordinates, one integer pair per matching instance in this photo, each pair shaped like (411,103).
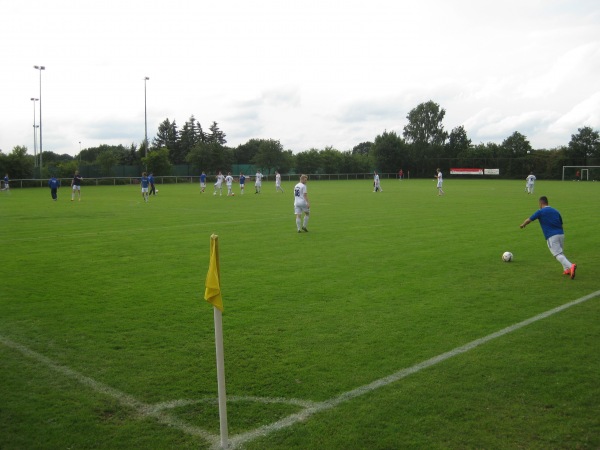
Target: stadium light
(34,133)
(145,119)
(40,68)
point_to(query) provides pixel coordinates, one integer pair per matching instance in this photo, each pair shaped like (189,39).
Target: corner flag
(212,293)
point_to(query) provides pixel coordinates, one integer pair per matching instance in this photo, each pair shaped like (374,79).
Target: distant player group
(549,218)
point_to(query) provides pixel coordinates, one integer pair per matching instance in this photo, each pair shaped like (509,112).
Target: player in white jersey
(301,204)
(229,183)
(278,182)
(219,184)
(257,182)
(440,181)
(376,183)
(530,181)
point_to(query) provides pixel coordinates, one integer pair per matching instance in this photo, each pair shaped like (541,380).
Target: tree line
(423,146)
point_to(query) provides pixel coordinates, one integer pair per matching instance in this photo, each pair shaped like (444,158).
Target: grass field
(106,341)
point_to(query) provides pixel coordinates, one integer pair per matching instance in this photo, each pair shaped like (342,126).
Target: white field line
(240,439)
(127,400)
(310,408)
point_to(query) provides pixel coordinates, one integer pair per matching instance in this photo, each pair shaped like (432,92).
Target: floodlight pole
(40,68)
(145,119)
(34,134)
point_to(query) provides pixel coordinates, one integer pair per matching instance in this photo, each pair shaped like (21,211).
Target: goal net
(580,173)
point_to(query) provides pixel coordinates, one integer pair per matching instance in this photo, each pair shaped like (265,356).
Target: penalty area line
(241,439)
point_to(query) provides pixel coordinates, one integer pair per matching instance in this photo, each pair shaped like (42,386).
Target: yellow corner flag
(212,294)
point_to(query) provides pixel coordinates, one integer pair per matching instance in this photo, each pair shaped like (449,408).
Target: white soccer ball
(507,256)
(157,191)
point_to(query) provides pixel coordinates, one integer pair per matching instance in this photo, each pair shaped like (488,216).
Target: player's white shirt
(530,179)
(376,180)
(219,180)
(278,180)
(299,191)
(228,180)
(258,178)
(440,179)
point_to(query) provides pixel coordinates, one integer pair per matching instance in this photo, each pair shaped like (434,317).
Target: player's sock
(298,223)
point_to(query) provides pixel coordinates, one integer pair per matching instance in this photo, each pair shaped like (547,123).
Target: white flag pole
(221,376)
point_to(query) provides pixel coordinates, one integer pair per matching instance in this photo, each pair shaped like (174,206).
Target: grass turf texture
(112,288)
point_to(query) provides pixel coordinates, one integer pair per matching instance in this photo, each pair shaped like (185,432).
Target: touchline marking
(310,408)
(292,419)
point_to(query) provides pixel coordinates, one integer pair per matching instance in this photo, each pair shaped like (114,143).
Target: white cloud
(311,73)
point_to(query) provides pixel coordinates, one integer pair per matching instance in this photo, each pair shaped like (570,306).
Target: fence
(121,181)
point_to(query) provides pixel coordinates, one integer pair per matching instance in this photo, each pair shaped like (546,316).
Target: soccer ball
(157,191)
(507,256)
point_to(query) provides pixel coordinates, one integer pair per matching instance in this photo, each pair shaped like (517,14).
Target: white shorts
(555,244)
(202,185)
(299,209)
(76,187)
(258,183)
(144,190)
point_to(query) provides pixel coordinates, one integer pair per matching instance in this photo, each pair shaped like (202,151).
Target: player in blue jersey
(552,227)
(6,185)
(54,184)
(242,182)
(145,182)
(202,182)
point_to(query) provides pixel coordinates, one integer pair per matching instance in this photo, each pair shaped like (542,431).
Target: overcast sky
(310,74)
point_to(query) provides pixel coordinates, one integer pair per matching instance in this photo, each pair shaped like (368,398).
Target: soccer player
(278,182)
(145,182)
(530,181)
(219,184)
(440,181)
(552,227)
(301,204)
(229,182)
(202,182)
(258,182)
(6,185)
(151,181)
(76,185)
(376,183)
(242,182)
(54,184)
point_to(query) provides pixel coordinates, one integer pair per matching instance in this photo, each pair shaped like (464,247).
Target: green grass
(112,288)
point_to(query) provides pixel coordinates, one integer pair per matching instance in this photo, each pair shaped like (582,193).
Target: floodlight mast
(34,133)
(145,120)
(40,68)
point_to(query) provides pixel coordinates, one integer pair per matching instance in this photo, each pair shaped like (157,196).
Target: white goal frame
(582,168)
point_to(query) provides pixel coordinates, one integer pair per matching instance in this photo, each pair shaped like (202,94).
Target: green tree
(191,134)
(158,162)
(331,160)
(516,145)
(18,164)
(107,160)
(269,156)
(362,149)
(424,127)
(583,145)
(457,142)
(387,151)
(245,153)
(201,156)
(167,135)
(308,161)
(216,135)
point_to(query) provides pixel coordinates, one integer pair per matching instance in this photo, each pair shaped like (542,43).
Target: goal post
(581,173)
